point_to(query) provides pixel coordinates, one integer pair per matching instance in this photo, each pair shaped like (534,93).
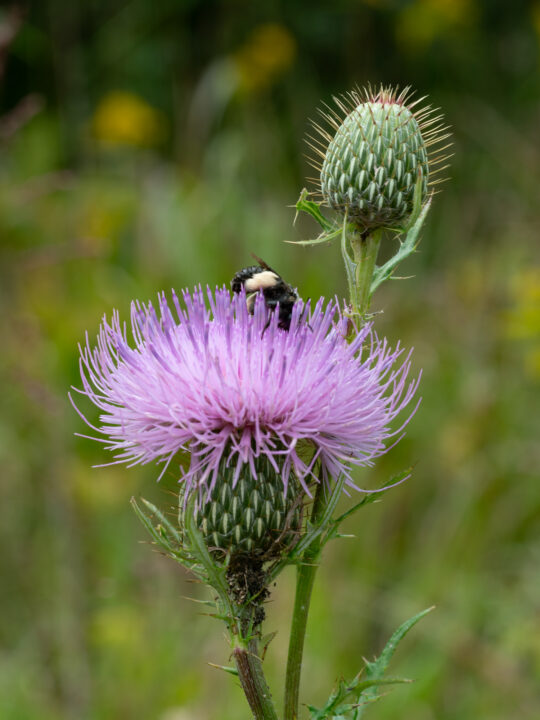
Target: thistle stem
(305,579)
(245,647)
(256,690)
(365,249)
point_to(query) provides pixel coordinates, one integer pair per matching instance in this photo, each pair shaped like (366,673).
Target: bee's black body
(237,283)
(274,289)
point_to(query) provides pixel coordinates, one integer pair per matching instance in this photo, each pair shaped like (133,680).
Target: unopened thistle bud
(376,151)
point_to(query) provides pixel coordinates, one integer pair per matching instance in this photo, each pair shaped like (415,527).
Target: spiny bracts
(377,149)
(254,516)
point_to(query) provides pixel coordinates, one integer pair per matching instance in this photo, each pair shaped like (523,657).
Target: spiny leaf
(214,574)
(208,603)
(314,209)
(154,532)
(373,496)
(322,238)
(160,537)
(164,521)
(407,245)
(145,520)
(333,531)
(336,707)
(376,669)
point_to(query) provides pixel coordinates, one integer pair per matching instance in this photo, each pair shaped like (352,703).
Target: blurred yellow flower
(269,51)
(421,21)
(522,320)
(123,118)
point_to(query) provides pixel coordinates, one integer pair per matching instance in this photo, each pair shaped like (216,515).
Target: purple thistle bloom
(230,387)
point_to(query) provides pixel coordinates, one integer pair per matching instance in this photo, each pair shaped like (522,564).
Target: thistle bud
(379,149)
(252,517)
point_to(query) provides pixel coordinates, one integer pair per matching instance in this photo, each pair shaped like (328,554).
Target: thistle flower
(243,396)
(376,148)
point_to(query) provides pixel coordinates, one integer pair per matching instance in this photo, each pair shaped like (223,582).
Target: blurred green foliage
(150,145)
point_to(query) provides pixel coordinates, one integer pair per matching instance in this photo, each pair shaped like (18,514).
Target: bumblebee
(262,278)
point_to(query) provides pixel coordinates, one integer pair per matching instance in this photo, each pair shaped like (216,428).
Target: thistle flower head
(371,151)
(235,390)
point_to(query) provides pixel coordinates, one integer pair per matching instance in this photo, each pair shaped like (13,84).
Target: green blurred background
(150,145)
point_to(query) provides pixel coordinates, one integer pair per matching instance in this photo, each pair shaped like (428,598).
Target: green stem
(305,579)
(360,269)
(365,249)
(304,586)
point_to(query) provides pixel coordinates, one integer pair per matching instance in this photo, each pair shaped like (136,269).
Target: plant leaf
(153,531)
(322,238)
(314,209)
(410,242)
(164,521)
(336,707)
(376,669)
(373,496)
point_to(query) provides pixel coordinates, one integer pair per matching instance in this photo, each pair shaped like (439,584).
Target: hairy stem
(256,690)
